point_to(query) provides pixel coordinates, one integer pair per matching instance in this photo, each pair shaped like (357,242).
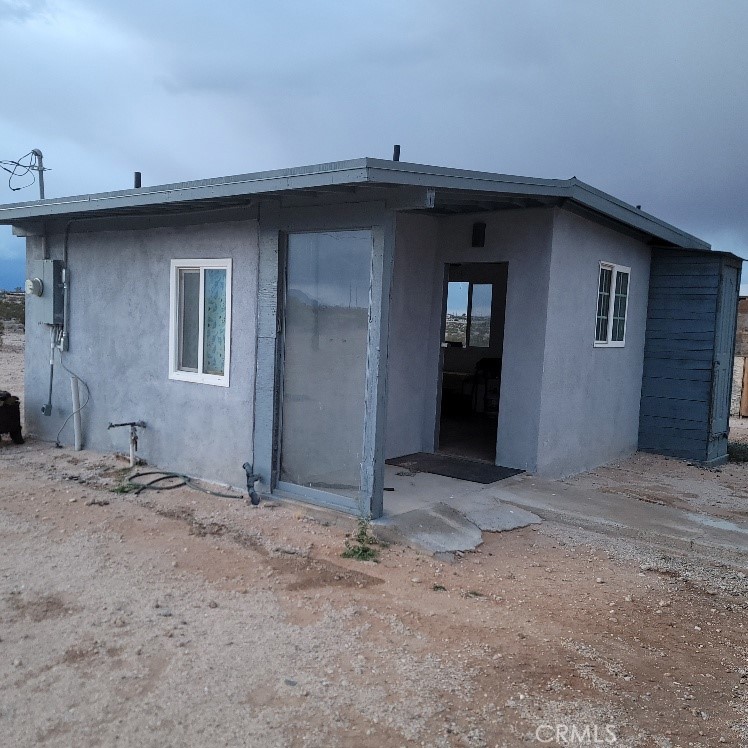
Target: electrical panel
(46,292)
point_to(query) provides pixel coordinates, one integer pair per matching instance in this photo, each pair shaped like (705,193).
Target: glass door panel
(328,278)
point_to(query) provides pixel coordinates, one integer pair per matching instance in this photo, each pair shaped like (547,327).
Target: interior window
(480,315)
(455,330)
(468,322)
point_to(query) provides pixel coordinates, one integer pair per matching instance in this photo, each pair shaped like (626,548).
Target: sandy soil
(11,361)
(180,619)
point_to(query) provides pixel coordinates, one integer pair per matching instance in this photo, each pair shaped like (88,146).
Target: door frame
(274,225)
(447,264)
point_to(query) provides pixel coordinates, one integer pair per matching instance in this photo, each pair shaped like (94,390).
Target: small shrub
(12,310)
(361,545)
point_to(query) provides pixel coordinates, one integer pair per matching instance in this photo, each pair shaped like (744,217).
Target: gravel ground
(180,619)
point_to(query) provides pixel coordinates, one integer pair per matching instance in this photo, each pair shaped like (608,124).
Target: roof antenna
(396,153)
(137,180)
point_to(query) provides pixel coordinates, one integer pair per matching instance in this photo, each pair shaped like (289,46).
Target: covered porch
(359,359)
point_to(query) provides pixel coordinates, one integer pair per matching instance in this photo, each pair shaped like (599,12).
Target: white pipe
(76,412)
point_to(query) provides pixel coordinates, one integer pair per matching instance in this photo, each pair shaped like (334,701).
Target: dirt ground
(180,619)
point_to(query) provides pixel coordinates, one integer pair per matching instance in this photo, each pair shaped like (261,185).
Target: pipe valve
(134,426)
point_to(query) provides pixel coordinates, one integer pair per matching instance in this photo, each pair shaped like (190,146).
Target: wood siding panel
(676,410)
(689,312)
(695,283)
(686,389)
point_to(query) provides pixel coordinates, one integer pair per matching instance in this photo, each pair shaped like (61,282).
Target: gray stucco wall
(119,329)
(413,356)
(520,238)
(590,396)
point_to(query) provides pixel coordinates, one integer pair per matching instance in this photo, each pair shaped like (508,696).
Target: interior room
(473,336)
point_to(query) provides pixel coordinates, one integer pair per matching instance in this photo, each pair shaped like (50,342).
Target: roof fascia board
(571,189)
(623,212)
(138,221)
(323,175)
(398,172)
(358,171)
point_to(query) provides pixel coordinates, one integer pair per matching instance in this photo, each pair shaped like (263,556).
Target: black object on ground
(10,416)
(164,482)
(461,468)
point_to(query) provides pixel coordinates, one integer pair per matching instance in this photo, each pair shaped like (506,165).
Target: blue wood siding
(690,325)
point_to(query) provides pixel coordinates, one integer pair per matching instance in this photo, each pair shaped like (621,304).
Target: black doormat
(454,467)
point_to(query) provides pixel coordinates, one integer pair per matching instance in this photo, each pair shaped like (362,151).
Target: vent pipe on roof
(396,153)
(138,178)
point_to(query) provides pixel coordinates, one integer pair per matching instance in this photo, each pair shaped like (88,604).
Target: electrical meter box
(45,291)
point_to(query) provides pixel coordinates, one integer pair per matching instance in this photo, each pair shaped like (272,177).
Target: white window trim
(608,343)
(174,371)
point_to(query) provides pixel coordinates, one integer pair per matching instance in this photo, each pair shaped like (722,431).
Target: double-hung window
(612,303)
(200,322)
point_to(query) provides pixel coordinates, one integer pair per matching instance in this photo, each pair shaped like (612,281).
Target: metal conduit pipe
(64,342)
(78,440)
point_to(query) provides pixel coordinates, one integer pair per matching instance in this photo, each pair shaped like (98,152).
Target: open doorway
(473,339)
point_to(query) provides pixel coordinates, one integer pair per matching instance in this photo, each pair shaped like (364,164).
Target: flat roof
(458,187)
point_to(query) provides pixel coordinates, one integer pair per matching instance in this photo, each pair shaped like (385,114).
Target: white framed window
(200,321)
(612,305)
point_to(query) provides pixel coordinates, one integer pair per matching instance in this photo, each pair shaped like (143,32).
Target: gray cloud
(645,100)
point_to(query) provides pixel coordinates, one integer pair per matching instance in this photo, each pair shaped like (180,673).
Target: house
(316,321)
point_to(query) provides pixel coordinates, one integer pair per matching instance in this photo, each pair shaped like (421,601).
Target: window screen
(619,306)
(603,304)
(189,318)
(214,321)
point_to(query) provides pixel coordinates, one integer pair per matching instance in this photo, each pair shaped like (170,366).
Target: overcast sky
(646,99)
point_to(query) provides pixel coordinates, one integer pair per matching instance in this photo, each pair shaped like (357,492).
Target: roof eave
(564,189)
(352,172)
(599,201)
(242,185)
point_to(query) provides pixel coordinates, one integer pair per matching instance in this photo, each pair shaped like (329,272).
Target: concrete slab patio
(418,500)
(441,528)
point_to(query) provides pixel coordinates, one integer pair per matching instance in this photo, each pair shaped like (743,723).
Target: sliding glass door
(323,396)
